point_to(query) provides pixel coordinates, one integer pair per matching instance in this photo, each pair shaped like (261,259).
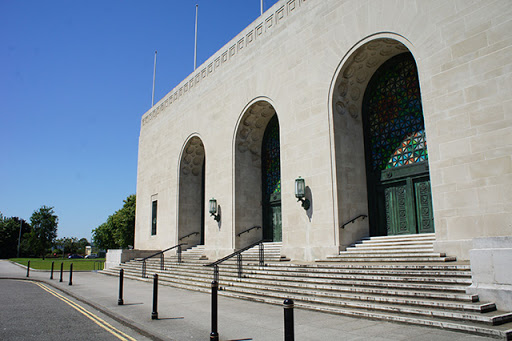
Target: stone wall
(117,256)
(490,269)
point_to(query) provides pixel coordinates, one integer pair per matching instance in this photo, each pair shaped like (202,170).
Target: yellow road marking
(100,322)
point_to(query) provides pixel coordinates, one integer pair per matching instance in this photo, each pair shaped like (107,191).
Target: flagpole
(154,73)
(195,42)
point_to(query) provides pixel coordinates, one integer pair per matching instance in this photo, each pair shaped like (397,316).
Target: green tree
(71,245)
(44,224)
(119,229)
(103,236)
(10,233)
(81,244)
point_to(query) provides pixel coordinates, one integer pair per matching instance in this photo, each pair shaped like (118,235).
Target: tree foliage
(119,229)
(9,235)
(71,245)
(44,229)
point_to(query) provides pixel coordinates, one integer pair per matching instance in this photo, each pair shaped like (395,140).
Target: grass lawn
(78,264)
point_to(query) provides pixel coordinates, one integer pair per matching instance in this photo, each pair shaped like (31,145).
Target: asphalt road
(36,311)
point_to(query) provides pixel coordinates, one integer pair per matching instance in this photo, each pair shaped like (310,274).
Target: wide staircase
(397,279)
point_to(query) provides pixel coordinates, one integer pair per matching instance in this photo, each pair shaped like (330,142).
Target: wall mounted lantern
(300,192)
(213,209)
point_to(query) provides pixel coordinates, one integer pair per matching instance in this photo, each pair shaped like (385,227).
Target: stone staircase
(407,248)
(397,279)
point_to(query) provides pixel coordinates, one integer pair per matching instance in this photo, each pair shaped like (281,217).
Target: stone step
(405,237)
(459,266)
(392,247)
(398,252)
(340,258)
(369,243)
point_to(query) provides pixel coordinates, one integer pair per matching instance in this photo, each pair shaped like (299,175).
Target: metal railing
(161,253)
(248,230)
(189,235)
(238,254)
(354,219)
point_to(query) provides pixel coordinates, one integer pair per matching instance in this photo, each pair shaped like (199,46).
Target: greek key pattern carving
(402,209)
(237,45)
(423,190)
(388,209)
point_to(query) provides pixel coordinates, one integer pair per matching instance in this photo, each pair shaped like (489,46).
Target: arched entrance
(257,175)
(380,141)
(399,197)
(191,206)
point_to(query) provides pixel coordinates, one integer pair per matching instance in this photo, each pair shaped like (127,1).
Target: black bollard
(154,314)
(71,274)
(214,335)
(121,275)
(51,274)
(288,320)
(28,268)
(61,271)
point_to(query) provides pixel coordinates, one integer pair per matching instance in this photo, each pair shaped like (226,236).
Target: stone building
(398,111)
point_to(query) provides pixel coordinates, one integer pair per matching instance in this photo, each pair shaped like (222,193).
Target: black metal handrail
(188,235)
(354,219)
(161,253)
(238,255)
(249,229)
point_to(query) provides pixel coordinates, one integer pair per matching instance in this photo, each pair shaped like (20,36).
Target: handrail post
(214,335)
(179,253)
(239,263)
(144,268)
(162,261)
(216,273)
(262,254)
(120,299)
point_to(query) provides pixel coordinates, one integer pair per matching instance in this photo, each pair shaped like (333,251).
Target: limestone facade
(309,62)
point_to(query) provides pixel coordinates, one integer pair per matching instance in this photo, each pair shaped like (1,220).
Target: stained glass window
(396,132)
(271,166)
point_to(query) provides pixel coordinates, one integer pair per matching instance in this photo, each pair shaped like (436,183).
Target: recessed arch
(346,98)
(191,197)
(257,129)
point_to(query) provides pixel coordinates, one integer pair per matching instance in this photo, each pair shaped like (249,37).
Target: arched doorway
(191,203)
(399,199)
(257,175)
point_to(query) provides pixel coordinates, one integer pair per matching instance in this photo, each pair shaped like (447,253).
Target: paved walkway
(185,315)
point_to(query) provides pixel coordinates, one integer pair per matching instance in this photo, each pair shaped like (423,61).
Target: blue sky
(75,78)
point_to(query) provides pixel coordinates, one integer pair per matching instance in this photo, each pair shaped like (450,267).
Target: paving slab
(185,315)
